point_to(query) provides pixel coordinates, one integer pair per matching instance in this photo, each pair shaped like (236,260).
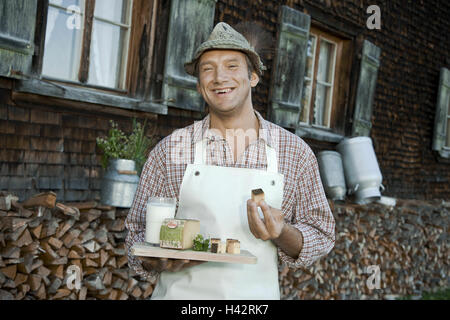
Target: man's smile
(223,91)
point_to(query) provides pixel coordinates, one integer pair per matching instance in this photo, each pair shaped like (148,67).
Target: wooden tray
(147,250)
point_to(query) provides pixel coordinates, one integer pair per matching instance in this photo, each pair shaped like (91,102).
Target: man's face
(224,81)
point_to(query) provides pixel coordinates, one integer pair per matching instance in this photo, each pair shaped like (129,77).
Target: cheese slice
(178,233)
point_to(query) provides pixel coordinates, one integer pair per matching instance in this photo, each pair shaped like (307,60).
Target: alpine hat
(224,36)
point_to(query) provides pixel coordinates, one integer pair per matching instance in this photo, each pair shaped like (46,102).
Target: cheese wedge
(178,233)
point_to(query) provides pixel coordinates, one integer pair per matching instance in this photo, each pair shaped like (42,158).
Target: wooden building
(69,66)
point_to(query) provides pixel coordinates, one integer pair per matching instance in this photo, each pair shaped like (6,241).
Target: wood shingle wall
(47,146)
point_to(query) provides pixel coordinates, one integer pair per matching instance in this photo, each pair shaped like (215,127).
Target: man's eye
(207,69)
(233,66)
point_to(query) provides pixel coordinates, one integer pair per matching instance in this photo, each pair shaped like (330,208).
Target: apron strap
(271,156)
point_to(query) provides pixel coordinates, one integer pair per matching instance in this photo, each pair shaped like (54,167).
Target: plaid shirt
(304,202)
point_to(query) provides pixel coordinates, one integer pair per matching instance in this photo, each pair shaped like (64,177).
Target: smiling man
(214,185)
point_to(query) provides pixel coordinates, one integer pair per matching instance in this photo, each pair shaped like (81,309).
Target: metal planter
(119,183)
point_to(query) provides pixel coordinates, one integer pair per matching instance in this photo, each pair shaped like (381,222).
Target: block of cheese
(217,246)
(233,246)
(257,195)
(178,233)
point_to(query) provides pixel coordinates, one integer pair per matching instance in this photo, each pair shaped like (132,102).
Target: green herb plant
(200,244)
(118,145)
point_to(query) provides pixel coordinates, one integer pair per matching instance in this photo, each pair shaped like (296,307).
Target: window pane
(113,10)
(322,105)
(310,57)
(106,54)
(63,43)
(326,61)
(306,101)
(448,133)
(66,3)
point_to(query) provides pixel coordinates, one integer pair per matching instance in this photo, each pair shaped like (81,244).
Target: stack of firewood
(44,245)
(42,242)
(381,252)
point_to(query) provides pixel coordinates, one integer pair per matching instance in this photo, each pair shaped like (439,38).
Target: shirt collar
(201,129)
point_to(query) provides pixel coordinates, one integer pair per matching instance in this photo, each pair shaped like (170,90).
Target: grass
(443,294)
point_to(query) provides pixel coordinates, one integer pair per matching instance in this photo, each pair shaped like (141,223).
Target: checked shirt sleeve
(151,183)
(312,217)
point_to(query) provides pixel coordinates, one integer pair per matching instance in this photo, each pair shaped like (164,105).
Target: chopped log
(68,211)
(20,278)
(61,293)
(69,237)
(92,246)
(116,225)
(46,199)
(13,236)
(122,261)
(37,231)
(43,271)
(90,215)
(82,294)
(13,223)
(5,201)
(27,265)
(64,227)
(58,271)
(10,252)
(101,236)
(87,235)
(82,205)
(5,295)
(107,278)
(103,257)
(63,251)
(41,293)
(10,271)
(148,290)
(131,284)
(55,243)
(24,240)
(94,283)
(34,281)
(137,292)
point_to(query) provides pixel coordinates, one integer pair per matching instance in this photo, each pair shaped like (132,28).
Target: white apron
(217,196)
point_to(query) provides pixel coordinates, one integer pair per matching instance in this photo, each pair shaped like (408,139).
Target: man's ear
(198,86)
(254,79)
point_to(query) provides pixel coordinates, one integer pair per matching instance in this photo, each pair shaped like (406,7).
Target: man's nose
(220,75)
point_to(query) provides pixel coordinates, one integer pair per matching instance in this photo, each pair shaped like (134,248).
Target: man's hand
(165,264)
(268,229)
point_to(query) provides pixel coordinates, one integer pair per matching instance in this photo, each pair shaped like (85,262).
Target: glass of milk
(158,209)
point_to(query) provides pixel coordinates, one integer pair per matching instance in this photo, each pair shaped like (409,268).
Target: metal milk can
(332,174)
(362,173)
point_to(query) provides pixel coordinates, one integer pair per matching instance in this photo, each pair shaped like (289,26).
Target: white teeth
(222,91)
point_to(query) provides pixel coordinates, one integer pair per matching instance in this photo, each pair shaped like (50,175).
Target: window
(127,54)
(319,87)
(87,41)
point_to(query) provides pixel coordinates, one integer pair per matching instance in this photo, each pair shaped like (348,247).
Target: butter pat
(257,195)
(178,233)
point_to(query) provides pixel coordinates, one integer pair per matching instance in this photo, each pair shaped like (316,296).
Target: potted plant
(123,158)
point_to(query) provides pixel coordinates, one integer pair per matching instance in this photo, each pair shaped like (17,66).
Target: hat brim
(191,66)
